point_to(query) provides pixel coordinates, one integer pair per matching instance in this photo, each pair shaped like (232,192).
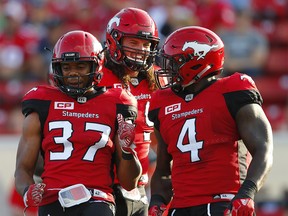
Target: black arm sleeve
(39,106)
(153,116)
(236,100)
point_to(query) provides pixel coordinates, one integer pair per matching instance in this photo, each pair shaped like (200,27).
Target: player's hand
(157,210)
(240,207)
(33,196)
(126,133)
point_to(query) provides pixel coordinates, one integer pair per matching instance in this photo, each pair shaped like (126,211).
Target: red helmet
(76,46)
(189,54)
(131,22)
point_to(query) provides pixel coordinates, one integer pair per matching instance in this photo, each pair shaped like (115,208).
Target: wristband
(25,190)
(247,189)
(127,156)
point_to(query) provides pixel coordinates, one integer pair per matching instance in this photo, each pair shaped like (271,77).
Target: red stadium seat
(275,31)
(3,121)
(277,62)
(274,89)
(13,91)
(277,115)
(274,8)
(280,36)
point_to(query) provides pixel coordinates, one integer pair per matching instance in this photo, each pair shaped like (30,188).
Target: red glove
(157,210)
(33,196)
(126,134)
(241,207)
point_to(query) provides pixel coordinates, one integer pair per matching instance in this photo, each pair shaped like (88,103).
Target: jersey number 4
(193,146)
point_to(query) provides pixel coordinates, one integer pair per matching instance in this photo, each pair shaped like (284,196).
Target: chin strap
(198,76)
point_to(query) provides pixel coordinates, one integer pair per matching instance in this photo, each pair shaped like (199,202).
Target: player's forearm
(22,180)
(129,168)
(129,171)
(161,185)
(260,166)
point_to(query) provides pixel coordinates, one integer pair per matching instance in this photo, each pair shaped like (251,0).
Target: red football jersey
(77,137)
(144,127)
(202,138)
(109,79)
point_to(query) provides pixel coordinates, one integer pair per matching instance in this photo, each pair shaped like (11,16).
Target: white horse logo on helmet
(113,20)
(200,50)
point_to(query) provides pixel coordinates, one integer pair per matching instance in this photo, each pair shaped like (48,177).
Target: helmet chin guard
(197,77)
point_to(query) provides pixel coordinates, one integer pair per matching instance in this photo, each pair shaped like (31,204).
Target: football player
(214,140)
(81,130)
(131,42)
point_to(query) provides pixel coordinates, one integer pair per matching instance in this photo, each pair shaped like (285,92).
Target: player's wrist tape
(127,155)
(247,189)
(157,200)
(25,190)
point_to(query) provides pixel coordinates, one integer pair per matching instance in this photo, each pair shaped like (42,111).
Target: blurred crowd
(255,34)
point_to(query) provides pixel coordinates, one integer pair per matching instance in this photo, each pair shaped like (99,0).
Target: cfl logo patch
(172,108)
(64,105)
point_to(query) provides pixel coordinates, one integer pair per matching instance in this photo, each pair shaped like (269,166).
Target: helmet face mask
(77,47)
(188,55)
(133,23)
(168,75)
(136,59)
(76,89)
